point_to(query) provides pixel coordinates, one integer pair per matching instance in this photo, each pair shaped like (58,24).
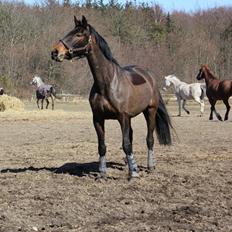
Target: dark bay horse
(216,90)
(43,92)
(117,93)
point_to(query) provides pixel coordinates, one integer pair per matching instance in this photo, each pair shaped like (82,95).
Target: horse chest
(101,107)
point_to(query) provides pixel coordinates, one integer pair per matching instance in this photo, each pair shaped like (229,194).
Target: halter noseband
(72,50)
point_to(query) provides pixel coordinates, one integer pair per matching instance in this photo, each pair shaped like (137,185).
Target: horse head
(75,44)
(167,82)
(36,81)
(201,74)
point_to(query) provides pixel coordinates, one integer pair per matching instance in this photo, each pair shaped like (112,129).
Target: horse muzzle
(165,89)
(56,56)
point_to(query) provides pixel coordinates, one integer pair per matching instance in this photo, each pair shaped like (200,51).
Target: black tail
(53,92)
(163,124)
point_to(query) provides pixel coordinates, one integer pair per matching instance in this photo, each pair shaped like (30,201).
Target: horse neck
(209,76)
(39,82)
(175,81)
(102,69)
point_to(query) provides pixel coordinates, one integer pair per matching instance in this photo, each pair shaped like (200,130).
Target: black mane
(103,45)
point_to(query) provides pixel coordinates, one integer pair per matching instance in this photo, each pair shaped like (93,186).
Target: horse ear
(84,22)
(76,21)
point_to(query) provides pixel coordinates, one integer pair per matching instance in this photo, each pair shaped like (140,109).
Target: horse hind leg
(149,115)
(125,123)
(52,102)
(227,109)
(183,106)
(202,105)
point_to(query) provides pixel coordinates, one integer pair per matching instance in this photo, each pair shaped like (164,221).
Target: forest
(165,42)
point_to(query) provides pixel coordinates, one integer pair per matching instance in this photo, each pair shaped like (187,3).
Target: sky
(170,5)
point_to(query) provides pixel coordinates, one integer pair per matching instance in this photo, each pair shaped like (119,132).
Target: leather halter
(72,50)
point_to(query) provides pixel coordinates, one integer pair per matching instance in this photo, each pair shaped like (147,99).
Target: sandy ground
(48,165)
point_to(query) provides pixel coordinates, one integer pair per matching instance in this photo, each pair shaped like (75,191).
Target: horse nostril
(54,53)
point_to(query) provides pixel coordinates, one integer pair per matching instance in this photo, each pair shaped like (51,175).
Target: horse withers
(43,92)
(216,90)
(118,92)
(185,91)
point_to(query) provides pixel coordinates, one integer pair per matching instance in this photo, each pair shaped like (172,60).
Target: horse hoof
(220,119)
(150,169)
(188,112)
(125,161)
(101,176)
(133,175)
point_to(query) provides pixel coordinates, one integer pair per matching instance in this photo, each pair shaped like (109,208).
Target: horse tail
(163,124)
(203,90)
(53,92)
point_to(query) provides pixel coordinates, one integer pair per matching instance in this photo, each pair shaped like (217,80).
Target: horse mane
(103,45)
(41,78)
(206,67)
(174,77)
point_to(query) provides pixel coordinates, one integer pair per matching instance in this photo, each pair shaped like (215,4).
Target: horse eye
(78,35)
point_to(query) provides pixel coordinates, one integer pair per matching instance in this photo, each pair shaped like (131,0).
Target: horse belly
(139,102)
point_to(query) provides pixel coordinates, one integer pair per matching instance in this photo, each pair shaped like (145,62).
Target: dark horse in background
(216,90)
(117,93)
(43,92)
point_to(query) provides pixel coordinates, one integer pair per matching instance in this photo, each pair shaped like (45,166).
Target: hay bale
(10,103)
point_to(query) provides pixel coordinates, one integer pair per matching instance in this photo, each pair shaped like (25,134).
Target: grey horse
(43,92)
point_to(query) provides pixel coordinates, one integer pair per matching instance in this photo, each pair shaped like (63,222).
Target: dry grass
(42,115)
(10,103)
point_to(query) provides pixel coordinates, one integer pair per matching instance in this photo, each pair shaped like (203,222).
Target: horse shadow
(75,169)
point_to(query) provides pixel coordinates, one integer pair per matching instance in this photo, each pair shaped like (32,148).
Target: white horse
(43,92)
(184,91)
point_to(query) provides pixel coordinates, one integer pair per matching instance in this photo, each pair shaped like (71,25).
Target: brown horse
(117,93)
(216,90)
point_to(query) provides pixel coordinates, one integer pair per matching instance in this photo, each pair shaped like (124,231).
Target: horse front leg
(183,106)
(213,110)
(99,125)
(42,103)
(47,103)
(179,105)
(38,103)
(227,109)
(125,123)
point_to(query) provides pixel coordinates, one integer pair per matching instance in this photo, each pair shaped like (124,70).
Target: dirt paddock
(48,170)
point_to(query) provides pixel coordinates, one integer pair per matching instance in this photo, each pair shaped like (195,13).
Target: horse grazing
(184,91)
(1,91)
(118,93)
(43,92)
(216,90)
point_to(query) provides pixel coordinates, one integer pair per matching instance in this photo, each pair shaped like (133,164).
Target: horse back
(139,76)
(219,89)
